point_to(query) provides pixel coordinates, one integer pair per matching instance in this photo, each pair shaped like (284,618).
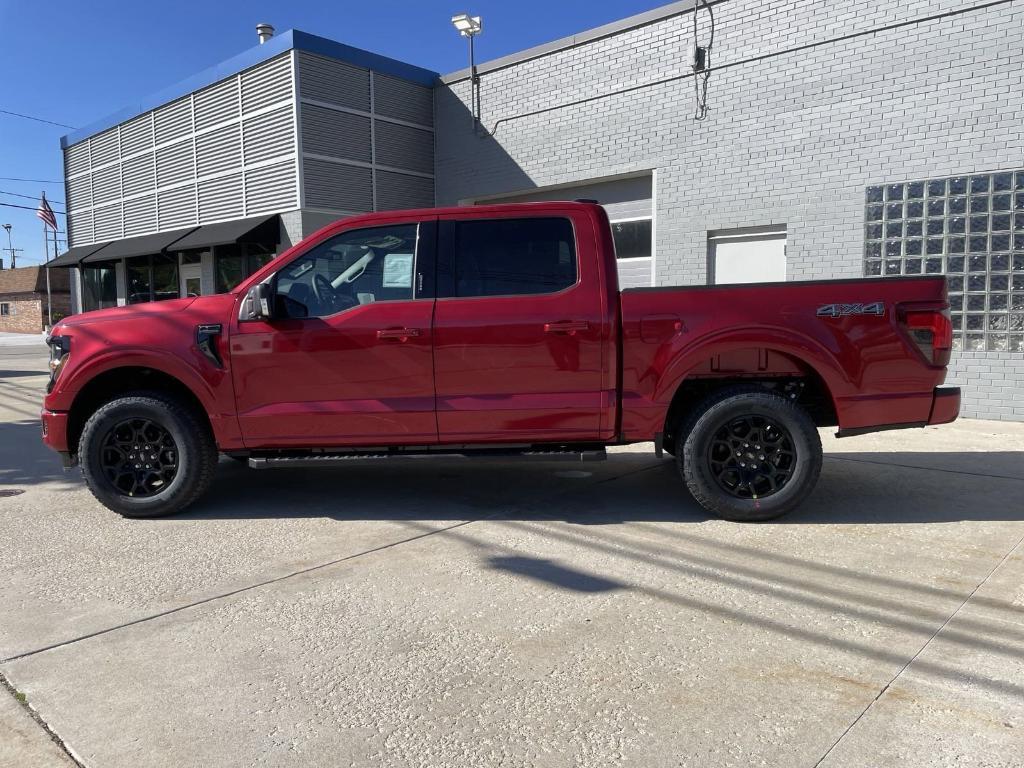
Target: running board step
(339,459)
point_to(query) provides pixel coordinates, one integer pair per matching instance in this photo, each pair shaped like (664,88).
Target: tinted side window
(356,267)
(508,257)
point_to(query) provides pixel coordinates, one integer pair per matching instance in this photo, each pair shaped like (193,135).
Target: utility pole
(10,247)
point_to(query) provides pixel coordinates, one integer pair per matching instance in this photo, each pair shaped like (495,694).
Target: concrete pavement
(484,614)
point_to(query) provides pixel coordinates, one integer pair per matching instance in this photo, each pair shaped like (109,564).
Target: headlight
(60,350)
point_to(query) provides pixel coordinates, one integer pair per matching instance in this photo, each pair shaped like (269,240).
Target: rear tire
(147,455)
(749,454)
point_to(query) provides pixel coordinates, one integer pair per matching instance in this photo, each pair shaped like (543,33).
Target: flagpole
(49,299)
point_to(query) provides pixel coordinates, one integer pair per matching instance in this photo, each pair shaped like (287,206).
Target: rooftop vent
(264,32)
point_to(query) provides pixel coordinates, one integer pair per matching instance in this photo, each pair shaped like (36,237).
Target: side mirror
(261,302)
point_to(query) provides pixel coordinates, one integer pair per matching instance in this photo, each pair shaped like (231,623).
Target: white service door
(191,280)
(754,259)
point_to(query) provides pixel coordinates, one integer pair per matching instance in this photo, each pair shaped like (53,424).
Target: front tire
(146,455)
(749,454)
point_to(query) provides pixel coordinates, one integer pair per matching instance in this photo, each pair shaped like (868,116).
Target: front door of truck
(519,329)
(347,358)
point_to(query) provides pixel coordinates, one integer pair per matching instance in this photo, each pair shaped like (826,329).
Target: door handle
(566,326)
(397,333)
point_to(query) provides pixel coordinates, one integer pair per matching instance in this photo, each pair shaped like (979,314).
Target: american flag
(45,212)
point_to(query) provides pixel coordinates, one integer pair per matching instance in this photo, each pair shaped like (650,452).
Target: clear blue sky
(75,62)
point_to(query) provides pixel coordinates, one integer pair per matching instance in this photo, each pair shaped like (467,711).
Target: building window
(632,238)
(237,261)
(970,228)
(5,309)
(99,287)
(747,255)
(152,278)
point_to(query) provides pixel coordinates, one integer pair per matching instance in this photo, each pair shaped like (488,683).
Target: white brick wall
(791,139)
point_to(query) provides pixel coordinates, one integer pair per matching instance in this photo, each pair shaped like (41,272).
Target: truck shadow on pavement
(855,488)
(25,461)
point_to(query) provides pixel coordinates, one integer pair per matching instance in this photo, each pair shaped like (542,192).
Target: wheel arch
(113,382)
(786,372)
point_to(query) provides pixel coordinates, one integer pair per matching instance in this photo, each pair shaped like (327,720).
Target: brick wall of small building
(793,136)
(28,315)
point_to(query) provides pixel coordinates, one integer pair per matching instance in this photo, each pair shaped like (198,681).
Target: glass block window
(969,228)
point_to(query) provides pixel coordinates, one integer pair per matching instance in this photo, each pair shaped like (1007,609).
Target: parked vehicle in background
(491,330)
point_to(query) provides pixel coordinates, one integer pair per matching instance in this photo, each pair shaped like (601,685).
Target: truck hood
(132,312)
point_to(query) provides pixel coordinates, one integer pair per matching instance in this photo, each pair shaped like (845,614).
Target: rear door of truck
(520,323)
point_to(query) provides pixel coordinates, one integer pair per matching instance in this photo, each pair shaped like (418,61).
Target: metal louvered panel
(174,163)
(137,134)
(140,216)
(217,103)
(269,135)
(79,192)
(106,184)
(103,147)
(107,222)
(177,207)
(137,175)
(396,191)
(335,134)
(220,198)
(80,229)
(271,188)
(76,158)
(267,84)
(324,79)
(401,99)
(337,186)
(219,150)
(173,120)
(403,147)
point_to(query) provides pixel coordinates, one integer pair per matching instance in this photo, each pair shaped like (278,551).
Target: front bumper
(55,432)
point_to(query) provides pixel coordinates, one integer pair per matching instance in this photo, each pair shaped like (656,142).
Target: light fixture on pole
(471,26)
(10,245)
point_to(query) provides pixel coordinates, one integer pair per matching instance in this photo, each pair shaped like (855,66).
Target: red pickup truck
(491,330)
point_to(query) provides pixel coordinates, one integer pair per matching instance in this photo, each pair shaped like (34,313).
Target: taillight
(932,331)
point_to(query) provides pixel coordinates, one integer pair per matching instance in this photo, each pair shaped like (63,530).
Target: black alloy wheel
(147,454)
(139,457)
(752,457)
(748,453)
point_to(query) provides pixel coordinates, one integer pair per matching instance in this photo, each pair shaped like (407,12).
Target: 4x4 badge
(842,310)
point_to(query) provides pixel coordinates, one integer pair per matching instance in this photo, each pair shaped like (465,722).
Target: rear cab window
(509,257)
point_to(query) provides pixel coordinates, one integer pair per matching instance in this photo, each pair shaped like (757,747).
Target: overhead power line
(28,208)
(32,181)
(37,119)
(30,197)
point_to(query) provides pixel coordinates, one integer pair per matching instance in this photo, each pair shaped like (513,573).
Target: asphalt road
(489,614)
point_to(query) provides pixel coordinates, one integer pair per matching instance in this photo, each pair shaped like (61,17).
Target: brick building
(844,139)
(23,302)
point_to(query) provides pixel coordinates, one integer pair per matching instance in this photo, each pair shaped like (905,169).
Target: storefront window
(237,261)
(165,277)
(138,279)
(152,278)
(99,287)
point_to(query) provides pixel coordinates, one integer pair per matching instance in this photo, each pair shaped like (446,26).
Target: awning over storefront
(258,229)
(73,256)
(139,246)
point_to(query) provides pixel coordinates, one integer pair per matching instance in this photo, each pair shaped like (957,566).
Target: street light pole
(10,245)
(471,26)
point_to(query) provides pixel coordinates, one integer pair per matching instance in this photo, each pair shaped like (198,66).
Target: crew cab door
(346,358)
(519,328)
